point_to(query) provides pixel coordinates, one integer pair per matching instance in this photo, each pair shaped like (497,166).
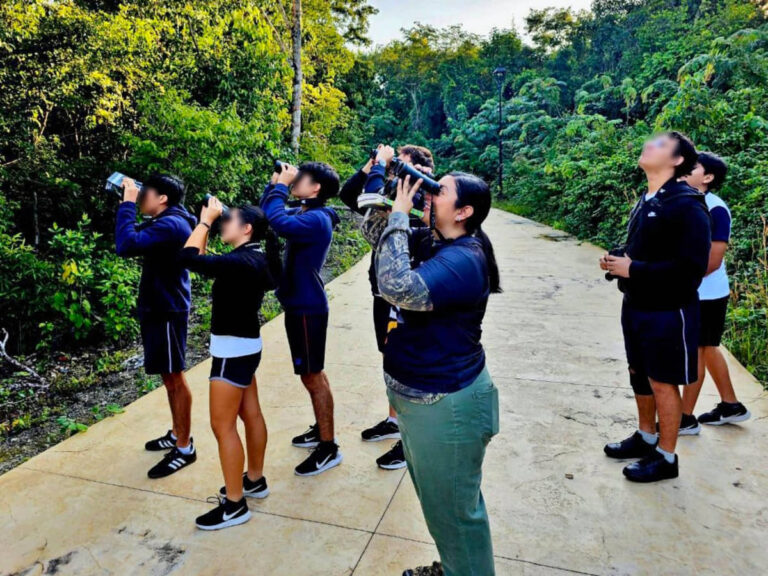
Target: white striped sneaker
(172,462)
(163,443)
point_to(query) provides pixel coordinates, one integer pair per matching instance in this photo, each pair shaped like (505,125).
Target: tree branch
(13,362)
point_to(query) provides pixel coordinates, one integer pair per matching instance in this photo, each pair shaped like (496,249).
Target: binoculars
(224,207)
(115,184)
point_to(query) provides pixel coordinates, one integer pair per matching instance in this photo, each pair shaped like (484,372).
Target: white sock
(392,419)
(188,449)
(173,437)
(648,437)
(668,456)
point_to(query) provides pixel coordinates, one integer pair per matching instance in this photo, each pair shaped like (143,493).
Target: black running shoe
(632,447)
(435,570)
(384,430)
(651,469)
(172,462)
(226,514)
(726,413)
(325,456)
(257,489)
(163,443)
(689,426)
(394,459)
(310,438)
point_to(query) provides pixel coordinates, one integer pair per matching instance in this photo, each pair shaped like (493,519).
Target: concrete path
(557,504)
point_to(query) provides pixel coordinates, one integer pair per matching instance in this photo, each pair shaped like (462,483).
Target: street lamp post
(499,74)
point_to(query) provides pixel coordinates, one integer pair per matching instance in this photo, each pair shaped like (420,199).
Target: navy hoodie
(668,240)
(308,236)
(164,289)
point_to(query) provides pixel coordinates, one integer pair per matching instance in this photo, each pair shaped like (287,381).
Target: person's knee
(222,427)
(173,380)
(640,383)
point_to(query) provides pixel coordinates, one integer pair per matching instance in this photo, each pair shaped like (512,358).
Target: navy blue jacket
(164,289)
(308,236)
(668,240)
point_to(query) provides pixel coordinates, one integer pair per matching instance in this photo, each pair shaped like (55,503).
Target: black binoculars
(224,207)
(115,184)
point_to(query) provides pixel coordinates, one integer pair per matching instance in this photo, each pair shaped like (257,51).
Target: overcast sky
(477,16)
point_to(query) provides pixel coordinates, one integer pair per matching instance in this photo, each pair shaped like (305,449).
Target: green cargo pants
(444,446)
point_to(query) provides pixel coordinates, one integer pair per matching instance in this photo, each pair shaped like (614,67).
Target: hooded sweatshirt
(668,240)
(164,289)
(308,234)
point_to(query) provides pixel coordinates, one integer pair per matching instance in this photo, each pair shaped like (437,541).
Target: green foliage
(576,107)
(70,426)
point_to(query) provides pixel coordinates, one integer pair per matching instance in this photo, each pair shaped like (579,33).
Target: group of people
(431,278)
(431,274)
(673,277)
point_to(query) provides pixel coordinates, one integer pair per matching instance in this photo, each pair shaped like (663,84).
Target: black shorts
(662,344)
(712,321)
(237,371)
(306,337)
(165,343)
(382,317)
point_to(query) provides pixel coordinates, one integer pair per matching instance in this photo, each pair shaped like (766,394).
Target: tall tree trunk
(297,79)
(35,217)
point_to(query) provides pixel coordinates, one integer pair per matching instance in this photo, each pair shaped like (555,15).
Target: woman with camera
(434,363)
(241,277)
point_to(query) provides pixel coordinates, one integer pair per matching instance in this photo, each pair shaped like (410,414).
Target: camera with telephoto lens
(617,252)
(115,184)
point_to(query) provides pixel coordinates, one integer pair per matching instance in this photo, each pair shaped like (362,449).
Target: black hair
(321,173)
(167,185)
(686,150)
(261,230)
(714,165)
(475,192)
(419,155)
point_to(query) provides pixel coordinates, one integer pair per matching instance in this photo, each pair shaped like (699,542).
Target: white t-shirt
(233,346)
(715,285)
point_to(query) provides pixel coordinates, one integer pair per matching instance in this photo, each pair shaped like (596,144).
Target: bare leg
(392,413)
(692,391)
(322,402)
(180,401)
(255,431)
(718,369)
(646,413)
(225,404)
(670,408)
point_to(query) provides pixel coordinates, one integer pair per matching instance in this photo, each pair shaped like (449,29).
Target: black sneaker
(163,443)
(325,456)
(394,459)
(310,438)
(384,430)
(435,570)
(689,426)
(226,514)
(172,462)
(651,469)
(726,413)
(257,489)
(632,447)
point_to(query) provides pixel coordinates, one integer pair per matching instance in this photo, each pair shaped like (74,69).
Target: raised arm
(130,241)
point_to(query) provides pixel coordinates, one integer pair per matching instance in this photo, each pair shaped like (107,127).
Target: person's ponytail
(274,256)
(475,192)
(490,257)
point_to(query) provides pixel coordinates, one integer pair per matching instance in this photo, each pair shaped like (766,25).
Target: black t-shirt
(242,276)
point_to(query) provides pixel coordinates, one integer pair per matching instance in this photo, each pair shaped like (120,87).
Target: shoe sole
(328,465)
(689,431)
(305,444)
(730,419)
(394,436)
(398,466)
(232,522)
(649,480)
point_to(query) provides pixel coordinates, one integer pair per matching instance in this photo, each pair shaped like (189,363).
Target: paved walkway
(557,504)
